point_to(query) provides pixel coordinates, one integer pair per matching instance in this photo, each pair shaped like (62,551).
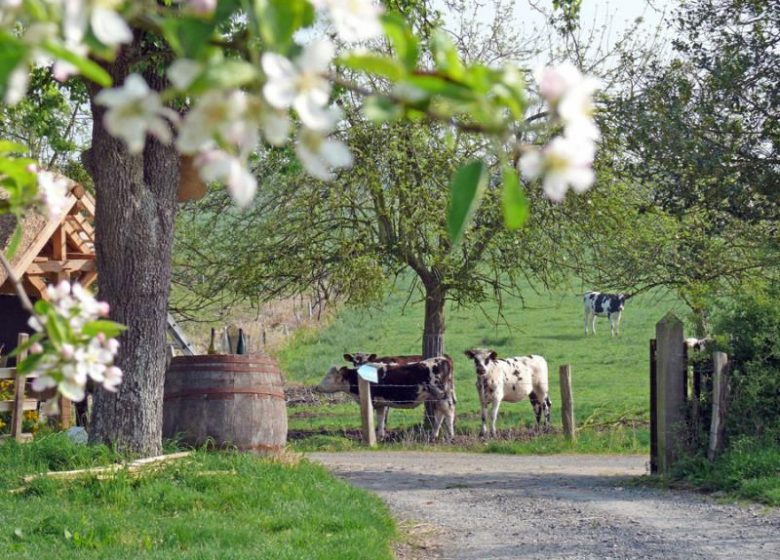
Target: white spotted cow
(598,304)
(511,380)
(403,386)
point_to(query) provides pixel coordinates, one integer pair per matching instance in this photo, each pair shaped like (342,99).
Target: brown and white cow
(402,386)
(511,380)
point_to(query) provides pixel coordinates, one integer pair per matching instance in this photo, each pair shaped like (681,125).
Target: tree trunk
(433,336)
(134,224)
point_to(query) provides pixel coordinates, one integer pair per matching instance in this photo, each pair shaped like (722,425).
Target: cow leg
(438,418)
(494,414)
(617,323)
(587,319)
(547,410)
(593,323)
(483,409)
(537,406)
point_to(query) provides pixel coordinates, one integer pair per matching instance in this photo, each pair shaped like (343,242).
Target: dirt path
(553,507)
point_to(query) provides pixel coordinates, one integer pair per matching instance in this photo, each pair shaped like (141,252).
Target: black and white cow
(598,304)
(403,386)
(511,380)
(359,358)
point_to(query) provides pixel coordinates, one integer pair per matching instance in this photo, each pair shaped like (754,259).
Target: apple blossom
(562,163)
(355,20)
(217,165)
(301,84)
(134,110)
(53,192)
(107,25)
(319,154)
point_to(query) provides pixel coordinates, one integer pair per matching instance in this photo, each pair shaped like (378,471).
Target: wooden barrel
(232,400)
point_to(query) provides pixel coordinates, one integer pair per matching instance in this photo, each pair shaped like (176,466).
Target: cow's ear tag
(368,373)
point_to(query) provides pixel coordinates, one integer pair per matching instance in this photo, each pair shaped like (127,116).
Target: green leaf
(381,109)
(466,189)
(29,363)
(514,202)
(109,328)
(374,64)
(16,238)
(226,74)
(87,68)
(6,147)
(441,86)
(13,53)
(404,42)
(445,55)
(277,20)
(188,35)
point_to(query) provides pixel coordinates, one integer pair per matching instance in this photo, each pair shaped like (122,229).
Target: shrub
(751,325)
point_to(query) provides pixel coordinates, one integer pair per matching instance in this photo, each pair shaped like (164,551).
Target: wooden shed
(50,251)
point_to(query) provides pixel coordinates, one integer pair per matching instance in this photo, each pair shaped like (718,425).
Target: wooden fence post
(720,379)
(653,409)
(366,412)
(17,415)
(567,403)
(670,389)
(66,411)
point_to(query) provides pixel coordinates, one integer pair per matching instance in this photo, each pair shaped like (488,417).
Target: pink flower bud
(67,351)
(103,308)
(36,348)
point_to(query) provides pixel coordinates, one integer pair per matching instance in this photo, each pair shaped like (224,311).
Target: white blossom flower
(92,360)
(53,192)
(275,125)
(16,88)
(100,15)
(134,111)
(218,114)
(202,7)
(570,94)
(355,20)
(562,163)
(320,154)
(112,377)
(183,72)
(217,165)
(301,84)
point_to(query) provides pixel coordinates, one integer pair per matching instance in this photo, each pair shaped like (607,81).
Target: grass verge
(209,505)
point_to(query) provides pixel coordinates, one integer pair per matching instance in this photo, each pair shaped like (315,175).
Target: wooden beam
(40,241)
(58,244)
(17,414)
(59,266)
(34,286)
(88,278)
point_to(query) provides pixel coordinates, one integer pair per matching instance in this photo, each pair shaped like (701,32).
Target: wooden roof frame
(61,249)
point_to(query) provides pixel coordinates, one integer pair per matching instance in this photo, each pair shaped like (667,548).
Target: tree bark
(433,336)
(134,224)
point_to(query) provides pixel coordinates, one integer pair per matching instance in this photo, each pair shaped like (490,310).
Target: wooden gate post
(670,389)
(366,412)
(720,375)
(567,403)
(17,415)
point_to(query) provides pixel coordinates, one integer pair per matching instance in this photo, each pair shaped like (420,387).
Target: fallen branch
(101,472)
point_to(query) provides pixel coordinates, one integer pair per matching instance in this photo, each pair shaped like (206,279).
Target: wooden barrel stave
(231,400)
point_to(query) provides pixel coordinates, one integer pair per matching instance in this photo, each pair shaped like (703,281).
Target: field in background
(610,375)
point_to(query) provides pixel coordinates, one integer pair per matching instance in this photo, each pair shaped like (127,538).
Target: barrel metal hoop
(216,393)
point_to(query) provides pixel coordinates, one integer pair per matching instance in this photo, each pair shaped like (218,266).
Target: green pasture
(230,506)
(610,375)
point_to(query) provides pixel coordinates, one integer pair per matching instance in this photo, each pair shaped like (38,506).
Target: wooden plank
(88,278)
(35,286)
(17,414)
(131,467)
(366,412)
(10,373)
(59,244)
(720,365)
(62,266)
(40,240)
(27,404)
(653,410)
(670,389)
(179,337)
(567,403)
(66,411)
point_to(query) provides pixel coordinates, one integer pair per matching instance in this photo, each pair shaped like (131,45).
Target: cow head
(360,358)
(621,298)
(334,381)
(482,358)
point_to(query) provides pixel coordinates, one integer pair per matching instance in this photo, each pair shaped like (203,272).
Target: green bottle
(212,348)
(241,343)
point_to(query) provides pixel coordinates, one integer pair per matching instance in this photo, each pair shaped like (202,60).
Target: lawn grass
(610,375)
(210,505)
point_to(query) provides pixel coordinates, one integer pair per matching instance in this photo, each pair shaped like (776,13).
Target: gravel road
(484,506)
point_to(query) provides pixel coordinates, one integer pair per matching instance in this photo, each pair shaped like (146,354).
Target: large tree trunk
(134,223)
(433,335)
